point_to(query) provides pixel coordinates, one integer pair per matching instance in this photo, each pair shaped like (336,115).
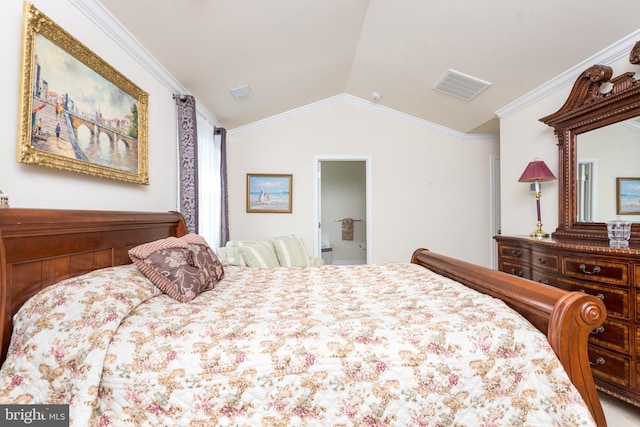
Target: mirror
(596,128)
(603,155)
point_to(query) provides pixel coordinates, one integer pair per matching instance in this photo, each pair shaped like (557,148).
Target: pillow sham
(291,251)
(180,267)
(260,254)
(206,260)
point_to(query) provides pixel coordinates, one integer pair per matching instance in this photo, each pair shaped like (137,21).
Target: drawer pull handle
(516,272)
(543,281)
(595,270)
(516,253)
(599,361)
(599,296)
(542,259)
(598,330)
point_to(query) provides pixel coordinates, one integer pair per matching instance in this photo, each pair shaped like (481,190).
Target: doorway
(586,191)
(343,210)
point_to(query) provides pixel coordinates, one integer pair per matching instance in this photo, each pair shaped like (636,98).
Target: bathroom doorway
(343,216)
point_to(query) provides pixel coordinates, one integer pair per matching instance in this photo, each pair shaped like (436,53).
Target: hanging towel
(347,229)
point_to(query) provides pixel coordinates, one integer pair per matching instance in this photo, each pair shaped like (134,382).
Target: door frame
(317,159)
(495,193)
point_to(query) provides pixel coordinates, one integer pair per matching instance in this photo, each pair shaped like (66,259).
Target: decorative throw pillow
(211,270)
(260,254)
(169,264)
(234,257)
(291,251)
(180,267)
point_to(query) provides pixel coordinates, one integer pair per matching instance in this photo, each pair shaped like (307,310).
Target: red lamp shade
(537,170)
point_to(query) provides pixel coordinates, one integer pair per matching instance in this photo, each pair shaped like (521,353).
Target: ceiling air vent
(241,93)
(461,85)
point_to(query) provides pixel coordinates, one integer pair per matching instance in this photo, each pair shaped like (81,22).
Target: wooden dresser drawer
(610,366)
(544,277)
(514,253)
(612,335)
(616,273)
(616,300)
(610,274)
(545,261)
(516,269)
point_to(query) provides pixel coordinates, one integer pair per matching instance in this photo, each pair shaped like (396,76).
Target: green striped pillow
(260,254)
(233,255)
(291,251)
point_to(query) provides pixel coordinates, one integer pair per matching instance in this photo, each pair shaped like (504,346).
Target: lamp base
(538,233)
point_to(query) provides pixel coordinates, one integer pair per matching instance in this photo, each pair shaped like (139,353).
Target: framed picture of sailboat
(269,193)
(628,196)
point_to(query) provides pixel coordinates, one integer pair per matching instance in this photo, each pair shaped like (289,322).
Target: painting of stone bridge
(80,114)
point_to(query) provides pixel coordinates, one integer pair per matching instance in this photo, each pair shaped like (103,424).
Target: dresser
(612,275)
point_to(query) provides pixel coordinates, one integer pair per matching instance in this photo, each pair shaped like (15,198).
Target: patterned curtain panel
(224,211)
(188,147)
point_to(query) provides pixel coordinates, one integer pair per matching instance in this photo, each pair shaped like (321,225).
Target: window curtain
(210,183)
(221,139)
(188,148)
(203,173)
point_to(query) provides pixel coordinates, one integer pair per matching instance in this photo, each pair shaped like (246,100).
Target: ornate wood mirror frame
(596,100)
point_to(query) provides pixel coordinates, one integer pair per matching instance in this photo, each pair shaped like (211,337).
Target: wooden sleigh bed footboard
(567,318)
(39,247)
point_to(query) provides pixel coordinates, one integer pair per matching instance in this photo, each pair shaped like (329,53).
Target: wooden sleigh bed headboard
(39,247)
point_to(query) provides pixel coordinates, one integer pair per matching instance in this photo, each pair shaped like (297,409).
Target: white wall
(430,188)
(522,138)
(33,186)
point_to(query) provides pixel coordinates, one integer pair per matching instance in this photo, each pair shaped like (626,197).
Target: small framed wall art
(628,196)
(269,193)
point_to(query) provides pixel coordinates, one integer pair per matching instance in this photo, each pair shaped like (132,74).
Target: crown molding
(359,102)
(104,20)
(606,56)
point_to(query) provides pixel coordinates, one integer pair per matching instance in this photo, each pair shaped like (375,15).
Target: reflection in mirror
(586,196)
(603,155)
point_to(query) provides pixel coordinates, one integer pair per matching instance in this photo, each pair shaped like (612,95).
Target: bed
(384,344)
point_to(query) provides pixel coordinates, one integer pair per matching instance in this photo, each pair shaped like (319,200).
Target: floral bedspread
(382,344)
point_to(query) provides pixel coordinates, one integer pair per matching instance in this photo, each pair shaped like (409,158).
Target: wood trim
(589,107)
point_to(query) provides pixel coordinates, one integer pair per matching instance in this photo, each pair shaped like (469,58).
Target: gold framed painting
(77,113)
(269,193)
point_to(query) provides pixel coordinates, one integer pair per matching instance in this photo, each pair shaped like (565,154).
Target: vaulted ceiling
(295,52)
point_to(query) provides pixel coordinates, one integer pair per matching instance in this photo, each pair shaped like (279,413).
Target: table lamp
(536,172)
